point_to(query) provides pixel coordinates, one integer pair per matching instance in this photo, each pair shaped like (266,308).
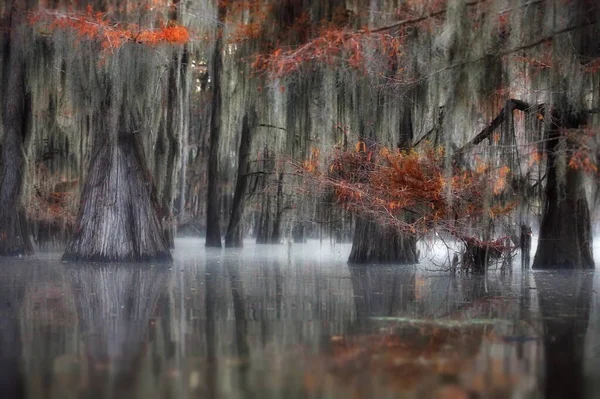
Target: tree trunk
(565,239)
(276,236)
(374,243)
(174,135)
(234,238)
(118,218)
(263,233)
(213,229)
(14,231)
(298,234)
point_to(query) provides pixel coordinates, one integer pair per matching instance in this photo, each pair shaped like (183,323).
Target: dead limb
(486,133)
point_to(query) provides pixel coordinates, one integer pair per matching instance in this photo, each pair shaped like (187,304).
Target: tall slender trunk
(263,234)
(213,229)
(14,233)
(118,213)
(174,135)
(565,239)
(172,148)
(276,236)
(235,234)
(184,76)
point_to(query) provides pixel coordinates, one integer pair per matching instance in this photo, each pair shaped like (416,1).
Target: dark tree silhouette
(213,213)
(14,232)
(235,232)
(565,239)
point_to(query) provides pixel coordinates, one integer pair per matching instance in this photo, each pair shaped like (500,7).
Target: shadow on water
(565,310)
(233,324)
(12,381)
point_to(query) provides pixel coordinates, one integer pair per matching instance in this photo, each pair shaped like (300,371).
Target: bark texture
(213,229)
(374,243)
(234,238)
(565,239)
(118,219)
(14,233)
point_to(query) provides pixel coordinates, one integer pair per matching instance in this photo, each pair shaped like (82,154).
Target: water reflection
(115,308)
(11,299)
(565,310)
(382,292)
(212,365)
(234,324)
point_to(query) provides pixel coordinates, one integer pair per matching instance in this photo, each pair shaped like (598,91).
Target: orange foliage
(583,142)
(535,158)
(97,26)
(337,42)
(332,45)
(413,190)
(251,30)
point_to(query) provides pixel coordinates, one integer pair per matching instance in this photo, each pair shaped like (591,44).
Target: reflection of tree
(210,280)
(49,330)
(11,299)
(382,292)
(426,341)
(239,309)
(115,305)
(216,307)
(241,326)
(565,306)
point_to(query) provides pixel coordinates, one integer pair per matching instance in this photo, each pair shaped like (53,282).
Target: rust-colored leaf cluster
(414,190)
(111,35)
(584,147)
(247,18)
(332,46)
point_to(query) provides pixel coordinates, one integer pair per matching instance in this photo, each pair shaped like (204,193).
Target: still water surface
(290,322)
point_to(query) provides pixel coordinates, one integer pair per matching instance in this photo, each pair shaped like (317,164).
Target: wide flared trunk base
(374,243)
(118,219)
(565,240)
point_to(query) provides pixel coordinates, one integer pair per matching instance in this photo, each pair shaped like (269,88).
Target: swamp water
(293,321)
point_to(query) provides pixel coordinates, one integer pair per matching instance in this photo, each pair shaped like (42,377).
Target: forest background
(381,122)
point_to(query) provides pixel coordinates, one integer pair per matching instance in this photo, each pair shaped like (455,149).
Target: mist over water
(292,321)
